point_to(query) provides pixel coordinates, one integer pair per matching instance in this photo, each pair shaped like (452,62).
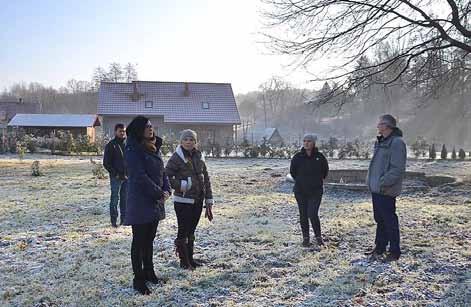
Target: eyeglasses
(148,126)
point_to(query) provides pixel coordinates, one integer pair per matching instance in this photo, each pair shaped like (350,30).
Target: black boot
(151,277)
(139,284)
(181,247)
(392,257)
(306,242)
(375,251)
(121,220)
(113,222)
(320,242)
(191,246)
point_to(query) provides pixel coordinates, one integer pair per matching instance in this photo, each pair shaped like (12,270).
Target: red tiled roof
(170,101)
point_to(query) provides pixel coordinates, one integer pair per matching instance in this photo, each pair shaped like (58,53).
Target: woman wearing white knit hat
(189,178)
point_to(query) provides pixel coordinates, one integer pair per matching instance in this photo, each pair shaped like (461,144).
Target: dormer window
(149,104)
(205,105)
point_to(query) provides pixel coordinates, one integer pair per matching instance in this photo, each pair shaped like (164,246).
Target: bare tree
(99,75)
(272,94)
(130,72)
(431,39)
(115,72)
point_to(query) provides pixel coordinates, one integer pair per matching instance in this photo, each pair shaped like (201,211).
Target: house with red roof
(208,108)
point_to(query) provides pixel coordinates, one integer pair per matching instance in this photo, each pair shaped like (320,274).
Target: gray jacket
(388,165)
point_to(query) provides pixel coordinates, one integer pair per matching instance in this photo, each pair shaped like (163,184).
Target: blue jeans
(387,223)
(118,195)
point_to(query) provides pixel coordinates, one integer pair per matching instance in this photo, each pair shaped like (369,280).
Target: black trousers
(142,247)
(188,217)
(387,223)
(309,211)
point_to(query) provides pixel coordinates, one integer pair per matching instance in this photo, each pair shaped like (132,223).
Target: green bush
(30,142)
(432,153)
(444,153)
(83,144)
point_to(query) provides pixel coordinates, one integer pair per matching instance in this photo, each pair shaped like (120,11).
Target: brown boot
(181,248)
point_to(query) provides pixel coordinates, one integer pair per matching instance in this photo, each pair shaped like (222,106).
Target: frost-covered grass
(57,248)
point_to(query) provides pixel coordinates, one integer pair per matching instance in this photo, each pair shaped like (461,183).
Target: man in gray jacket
(385,175)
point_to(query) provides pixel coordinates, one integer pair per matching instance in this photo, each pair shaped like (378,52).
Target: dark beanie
(136,128)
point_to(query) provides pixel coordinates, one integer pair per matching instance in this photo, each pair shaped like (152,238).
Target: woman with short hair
(189,178)
(148,188)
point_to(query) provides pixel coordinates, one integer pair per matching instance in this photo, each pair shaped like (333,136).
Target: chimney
(135,96)
(186,92)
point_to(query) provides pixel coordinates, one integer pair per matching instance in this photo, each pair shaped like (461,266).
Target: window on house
(149,104)
(205,105)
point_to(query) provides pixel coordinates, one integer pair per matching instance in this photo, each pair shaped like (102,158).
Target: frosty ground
(57,248)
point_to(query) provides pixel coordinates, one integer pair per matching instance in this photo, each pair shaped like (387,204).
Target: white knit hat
(188,133)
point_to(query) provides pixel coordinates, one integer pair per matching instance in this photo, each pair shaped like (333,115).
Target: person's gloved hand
(209,212)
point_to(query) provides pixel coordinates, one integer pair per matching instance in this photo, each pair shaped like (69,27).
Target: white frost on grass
(57,249)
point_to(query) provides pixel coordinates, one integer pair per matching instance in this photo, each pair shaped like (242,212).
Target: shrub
(21,149)
(83,144)
(216,150)
(419,147)
(36,169)
(432,153)
(98,170)
(227,150)
(444,153)
(254,152)
(347,150)
(453,154)
(264,148)
(462,154)
(30,142)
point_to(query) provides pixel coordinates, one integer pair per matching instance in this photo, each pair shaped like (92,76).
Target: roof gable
(177,102)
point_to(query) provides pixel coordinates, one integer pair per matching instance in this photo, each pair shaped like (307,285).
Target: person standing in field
(114,163)
(148,188)
(385,175)
(309,168)
(189,178)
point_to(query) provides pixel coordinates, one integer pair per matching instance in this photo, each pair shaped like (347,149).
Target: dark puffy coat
(113,158)
(308,172)
(189,177)
(146,183)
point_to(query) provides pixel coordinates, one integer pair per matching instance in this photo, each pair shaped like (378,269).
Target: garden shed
(45,124)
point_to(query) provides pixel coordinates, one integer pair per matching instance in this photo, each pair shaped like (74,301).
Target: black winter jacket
(308,172)
(113,158)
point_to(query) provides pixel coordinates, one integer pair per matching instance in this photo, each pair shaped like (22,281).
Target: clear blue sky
(181,40)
